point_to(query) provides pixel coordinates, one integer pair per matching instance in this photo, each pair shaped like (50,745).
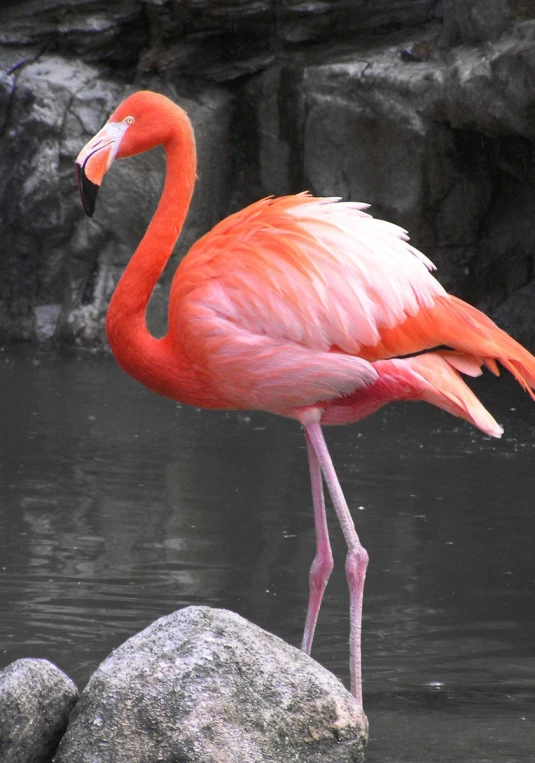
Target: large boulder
(205,686)
(36,699)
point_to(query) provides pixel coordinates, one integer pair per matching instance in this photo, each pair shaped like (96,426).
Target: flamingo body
(264,303)
(305,307)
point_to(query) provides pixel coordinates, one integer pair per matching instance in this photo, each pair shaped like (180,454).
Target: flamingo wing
(316,272)
(430,376)
(276,302)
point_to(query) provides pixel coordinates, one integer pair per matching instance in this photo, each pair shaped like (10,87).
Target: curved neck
(139,353)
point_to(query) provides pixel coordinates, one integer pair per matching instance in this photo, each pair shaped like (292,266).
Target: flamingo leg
(322,565)
(357,557)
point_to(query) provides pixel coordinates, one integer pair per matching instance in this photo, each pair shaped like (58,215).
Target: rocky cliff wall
(425,109)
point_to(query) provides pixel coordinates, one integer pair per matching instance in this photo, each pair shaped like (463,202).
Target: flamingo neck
(140,354)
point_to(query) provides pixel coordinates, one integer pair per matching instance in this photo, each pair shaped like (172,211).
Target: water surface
(117,507)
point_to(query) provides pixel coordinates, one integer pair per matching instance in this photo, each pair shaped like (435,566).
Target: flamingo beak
(95,159)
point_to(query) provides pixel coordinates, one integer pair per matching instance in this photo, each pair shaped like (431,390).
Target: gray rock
(518,313)
(36,699)
(482,82)
(219,41)
(37,187)
(205,686)
(477,20)
(481,20)
(227,40)
(89,28)
(46,321)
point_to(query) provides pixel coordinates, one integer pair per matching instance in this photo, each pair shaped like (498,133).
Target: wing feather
(319,272)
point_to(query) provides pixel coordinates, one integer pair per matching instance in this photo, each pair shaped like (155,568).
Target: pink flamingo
(305,307)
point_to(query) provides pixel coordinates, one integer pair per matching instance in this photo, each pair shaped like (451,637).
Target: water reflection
(117,507)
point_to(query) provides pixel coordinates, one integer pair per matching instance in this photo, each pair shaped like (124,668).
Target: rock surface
(421,108)
(205,686)
(36,699)
(219,40)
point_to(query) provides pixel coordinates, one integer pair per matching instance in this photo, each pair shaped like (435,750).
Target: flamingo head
(144,120)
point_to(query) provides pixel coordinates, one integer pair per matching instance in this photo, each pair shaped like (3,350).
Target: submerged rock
(205,686)
(36,699)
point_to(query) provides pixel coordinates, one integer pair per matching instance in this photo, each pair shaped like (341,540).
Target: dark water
(117,507)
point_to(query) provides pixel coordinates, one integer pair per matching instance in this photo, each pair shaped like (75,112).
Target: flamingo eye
(129,120)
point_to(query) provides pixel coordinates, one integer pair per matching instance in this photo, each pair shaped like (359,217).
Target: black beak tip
(88,190)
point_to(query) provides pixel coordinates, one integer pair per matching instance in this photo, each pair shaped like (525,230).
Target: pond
(118,507)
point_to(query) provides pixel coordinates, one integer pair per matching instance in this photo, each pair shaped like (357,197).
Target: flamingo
(302,306)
